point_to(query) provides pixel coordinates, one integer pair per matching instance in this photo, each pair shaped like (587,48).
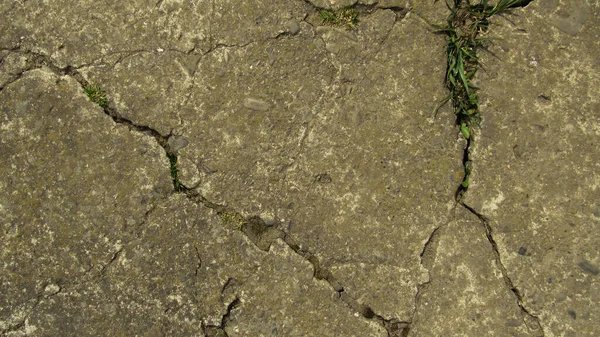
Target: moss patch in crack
(174,172)
(96,95)
(346,17)
(232,219)
(466,28)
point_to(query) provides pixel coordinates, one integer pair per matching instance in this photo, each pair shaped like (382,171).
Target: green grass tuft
(466,28)
(96,95)
(346,17)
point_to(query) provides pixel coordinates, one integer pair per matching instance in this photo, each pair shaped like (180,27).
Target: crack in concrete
(219,331)
(531,320)
(199,258)
(253,227)
(263,236)
(528,318)
(22,324)
(113,259)
(428,250)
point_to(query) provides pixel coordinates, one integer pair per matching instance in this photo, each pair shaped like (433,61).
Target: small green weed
(96,95)
(174,172)
(346,17)
(466,28)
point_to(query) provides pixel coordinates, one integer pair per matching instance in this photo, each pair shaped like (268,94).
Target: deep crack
(262,236)
(465,22)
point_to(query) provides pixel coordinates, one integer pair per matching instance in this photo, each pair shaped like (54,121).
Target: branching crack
(38,60)
(530,319)
(263,235)
(219,331)
(465,24)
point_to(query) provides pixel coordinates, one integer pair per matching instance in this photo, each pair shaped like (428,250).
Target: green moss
(232,219)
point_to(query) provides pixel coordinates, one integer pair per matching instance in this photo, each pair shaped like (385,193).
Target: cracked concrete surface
(319,189)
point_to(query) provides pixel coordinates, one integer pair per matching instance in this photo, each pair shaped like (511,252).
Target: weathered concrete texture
(535,161)
(330,135)
(430,11)
(73,185)
(146,87)
(11,66)
(467,294)
(184,273)
(89,248)
(327,135)
(76,33)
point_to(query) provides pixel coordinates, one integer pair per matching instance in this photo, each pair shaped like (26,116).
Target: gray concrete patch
(185,274)
(340,152)
(257,171)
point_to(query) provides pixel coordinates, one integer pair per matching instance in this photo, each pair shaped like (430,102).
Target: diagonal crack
(464,24)
(263,235)
(22,325)
(427,255)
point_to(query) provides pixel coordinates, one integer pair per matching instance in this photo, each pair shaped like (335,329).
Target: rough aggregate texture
(536,167)
(319,190)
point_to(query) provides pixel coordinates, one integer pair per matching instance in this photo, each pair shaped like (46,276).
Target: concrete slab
(185,274)
(330,137)
(319,190)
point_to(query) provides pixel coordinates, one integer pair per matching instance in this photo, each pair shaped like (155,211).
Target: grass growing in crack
(346,17)
(174,172)
(466,28)
(96,95)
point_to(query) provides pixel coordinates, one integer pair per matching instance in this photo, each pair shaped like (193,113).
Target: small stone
(572,314)
(270,222)
(177,143)
(522,251)
(588,267)
(597,212)
(323,178)
(52,289)
(292,27)
(256,104)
